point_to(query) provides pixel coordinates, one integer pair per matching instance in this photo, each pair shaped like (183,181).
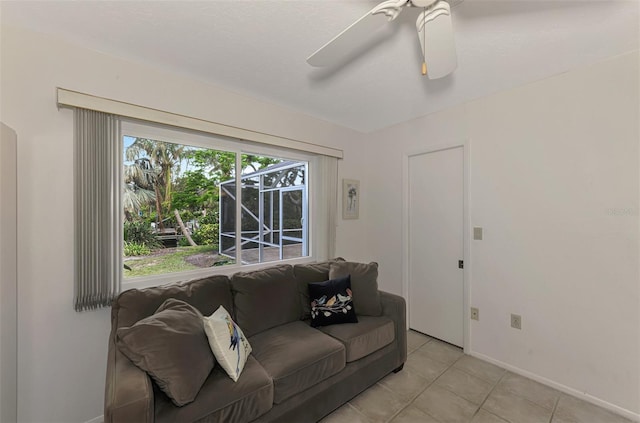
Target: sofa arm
(128,390)
(395,307)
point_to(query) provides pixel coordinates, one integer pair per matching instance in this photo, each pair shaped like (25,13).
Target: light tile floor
(439,384)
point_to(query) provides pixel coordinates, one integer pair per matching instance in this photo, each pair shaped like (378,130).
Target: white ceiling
(259,47)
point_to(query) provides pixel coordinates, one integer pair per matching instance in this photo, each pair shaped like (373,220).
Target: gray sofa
(296,373)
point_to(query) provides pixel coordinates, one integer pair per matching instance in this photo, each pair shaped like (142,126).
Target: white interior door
(436,201)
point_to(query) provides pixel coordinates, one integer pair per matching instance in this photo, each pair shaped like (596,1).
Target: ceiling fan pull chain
(424,43)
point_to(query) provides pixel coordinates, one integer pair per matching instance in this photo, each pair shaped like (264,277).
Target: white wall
(555,185)
(62,354)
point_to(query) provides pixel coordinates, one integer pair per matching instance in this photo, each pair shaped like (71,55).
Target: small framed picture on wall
(350,199)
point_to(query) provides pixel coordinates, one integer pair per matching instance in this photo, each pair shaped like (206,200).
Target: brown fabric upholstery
(309,273)
(265,298)
(362,338)
(313,404)
(128,389)
(297,357)
(221,400)
(206,295)
(321,399)
(130,395)
(175,335)
(395,308)
(364,284)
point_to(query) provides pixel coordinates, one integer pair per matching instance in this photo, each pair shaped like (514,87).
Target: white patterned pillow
(228,343)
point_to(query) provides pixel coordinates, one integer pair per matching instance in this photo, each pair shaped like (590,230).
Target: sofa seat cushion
(362,338)
(297,356)
(221,399)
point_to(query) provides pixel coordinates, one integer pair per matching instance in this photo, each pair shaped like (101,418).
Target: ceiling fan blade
(435,31)
(356,34)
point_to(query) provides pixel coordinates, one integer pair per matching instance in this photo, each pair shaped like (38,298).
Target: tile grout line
(450,366)
(427,387)
(555,406)
(413,398)
(421,391)
(495,385)
(517,394)
(522,397)
(416,395)
(358,411)
(475,375)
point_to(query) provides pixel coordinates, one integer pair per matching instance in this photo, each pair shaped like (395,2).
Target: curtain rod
(71,98)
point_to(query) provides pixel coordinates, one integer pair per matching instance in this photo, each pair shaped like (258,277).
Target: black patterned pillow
(332,302)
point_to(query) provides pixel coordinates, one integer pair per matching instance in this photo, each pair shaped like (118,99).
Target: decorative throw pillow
(306,274)
(228,343)
(172,347)
(332,302)
(364,283)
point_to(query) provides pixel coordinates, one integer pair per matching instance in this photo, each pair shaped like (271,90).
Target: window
(181,212)
(303,221)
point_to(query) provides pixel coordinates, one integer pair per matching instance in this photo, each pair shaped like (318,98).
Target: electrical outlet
(516,321)
(477,234)
(475,313)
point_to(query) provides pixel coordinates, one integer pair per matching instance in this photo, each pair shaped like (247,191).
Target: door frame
(466,229)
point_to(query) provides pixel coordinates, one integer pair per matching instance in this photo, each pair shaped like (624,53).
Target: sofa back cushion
(310,273)
(206,295)
(265,298)
(364,284)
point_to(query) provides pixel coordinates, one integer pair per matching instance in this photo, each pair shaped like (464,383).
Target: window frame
(316,242)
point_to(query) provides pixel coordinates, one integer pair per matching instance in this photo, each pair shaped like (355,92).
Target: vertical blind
(330,186)
(98,244)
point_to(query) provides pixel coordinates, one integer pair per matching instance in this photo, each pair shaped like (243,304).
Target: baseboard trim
(560,387)
(99,419)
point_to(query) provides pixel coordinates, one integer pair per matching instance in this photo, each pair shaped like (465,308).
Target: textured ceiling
(258,48)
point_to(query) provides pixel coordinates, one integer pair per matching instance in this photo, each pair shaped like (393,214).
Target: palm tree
(134,198)
(139,181)
(163,158)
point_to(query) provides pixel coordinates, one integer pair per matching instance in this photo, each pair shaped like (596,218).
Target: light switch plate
(477,234)
(475,313)
(516,321)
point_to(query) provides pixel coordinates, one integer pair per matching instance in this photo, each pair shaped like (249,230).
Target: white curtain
(98,212)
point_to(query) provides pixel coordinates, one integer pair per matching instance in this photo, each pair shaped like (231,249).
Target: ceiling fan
(434,27)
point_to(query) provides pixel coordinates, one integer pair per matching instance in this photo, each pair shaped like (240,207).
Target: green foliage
(194,192)
(207,234)
(166,176)
(140,232)
(136,249)
(210,217)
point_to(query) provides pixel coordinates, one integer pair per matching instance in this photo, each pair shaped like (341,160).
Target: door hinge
(460,264)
